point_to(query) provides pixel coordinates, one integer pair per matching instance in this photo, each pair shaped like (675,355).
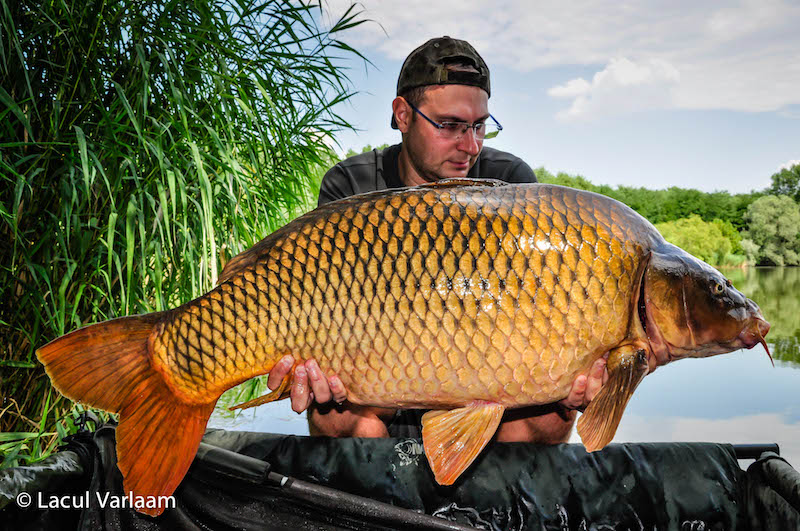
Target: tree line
(757,228)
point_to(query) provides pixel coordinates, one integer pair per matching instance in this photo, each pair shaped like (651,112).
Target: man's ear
(402,113)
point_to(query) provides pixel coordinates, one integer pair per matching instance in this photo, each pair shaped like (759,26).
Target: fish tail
(108,366)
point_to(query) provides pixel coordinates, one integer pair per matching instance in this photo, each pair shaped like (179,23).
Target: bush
(702,239)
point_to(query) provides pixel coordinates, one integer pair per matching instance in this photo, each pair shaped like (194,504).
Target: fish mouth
(753,334)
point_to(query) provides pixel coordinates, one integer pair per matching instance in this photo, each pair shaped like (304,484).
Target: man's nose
(469,143)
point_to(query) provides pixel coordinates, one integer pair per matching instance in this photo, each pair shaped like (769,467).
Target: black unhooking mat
(321,483)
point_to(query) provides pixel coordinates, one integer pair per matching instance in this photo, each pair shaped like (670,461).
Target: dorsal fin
(239,263)
(458,181)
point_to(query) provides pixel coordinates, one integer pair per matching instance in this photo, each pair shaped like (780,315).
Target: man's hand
(309,384)
(585,388)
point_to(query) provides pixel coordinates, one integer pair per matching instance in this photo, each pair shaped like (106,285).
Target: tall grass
(142,144)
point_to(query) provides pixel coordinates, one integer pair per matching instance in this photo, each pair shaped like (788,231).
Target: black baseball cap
(427,65)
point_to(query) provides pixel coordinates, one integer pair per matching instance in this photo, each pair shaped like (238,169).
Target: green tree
(142,143)
(750,250)
(672,204)
(730,232)
(774,225)
(787,182)
(352,153)
(697,237)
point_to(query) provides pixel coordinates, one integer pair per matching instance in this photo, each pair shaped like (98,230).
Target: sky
(650,93)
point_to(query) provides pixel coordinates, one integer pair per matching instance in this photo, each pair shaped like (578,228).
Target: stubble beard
(419,166)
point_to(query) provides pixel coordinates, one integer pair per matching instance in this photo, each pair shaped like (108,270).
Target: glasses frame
(440,126)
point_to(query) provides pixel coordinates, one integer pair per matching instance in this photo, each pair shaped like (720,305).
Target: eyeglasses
(456,130)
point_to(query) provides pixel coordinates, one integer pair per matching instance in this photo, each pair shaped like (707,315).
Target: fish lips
(754,332)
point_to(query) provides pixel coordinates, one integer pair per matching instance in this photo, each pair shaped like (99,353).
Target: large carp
(464,297)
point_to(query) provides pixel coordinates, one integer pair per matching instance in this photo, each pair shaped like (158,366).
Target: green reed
(142,145)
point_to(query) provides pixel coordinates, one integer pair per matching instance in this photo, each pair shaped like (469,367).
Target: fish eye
(719,289)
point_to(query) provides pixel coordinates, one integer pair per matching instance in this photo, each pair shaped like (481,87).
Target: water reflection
(737,397)
(732,398)
(777,292)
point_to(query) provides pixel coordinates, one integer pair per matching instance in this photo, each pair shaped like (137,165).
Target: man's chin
(456,174)
(446,174)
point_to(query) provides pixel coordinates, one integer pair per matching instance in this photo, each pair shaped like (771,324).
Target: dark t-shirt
(378,170)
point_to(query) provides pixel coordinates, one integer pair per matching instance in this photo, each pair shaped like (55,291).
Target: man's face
(432,156)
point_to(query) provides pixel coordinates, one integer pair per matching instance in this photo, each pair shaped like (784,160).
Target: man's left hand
(586,387)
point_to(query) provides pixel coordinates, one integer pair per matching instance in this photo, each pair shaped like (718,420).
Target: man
(442,111)
(443,88)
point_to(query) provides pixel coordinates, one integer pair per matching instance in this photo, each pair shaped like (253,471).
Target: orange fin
(280,393)
(157,439)
(454,182)
(114,352)
(627,367)
(107,366)
(453,439)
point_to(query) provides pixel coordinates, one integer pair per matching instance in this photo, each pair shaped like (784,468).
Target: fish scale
(421,299)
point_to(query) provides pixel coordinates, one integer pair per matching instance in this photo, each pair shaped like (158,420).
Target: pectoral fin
(627,367)
(453,439)
(280,393)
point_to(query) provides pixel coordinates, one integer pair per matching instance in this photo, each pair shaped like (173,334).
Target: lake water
(736,398)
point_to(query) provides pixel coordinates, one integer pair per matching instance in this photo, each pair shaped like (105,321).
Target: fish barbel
(464,297)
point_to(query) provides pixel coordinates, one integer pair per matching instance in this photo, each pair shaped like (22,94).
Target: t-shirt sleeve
(336,184)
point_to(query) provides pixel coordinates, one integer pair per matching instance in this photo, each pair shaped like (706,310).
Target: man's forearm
(349,420)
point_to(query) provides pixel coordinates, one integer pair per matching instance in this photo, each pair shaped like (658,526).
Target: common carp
(464,297)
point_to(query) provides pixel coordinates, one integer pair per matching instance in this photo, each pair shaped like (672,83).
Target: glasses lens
(456,130)
(488,131)
(452,130)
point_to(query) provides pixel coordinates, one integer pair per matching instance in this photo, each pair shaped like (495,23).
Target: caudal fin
(108,366)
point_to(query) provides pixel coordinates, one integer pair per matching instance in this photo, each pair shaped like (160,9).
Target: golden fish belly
(428,297)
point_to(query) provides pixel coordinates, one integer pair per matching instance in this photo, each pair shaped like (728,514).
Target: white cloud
(574,88)
(742,56)
(623,86)
(788,165)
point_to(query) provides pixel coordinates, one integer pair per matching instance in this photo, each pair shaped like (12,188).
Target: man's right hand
(311,388)
(309,384)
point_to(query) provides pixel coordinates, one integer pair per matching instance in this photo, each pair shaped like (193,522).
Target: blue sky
(655,94)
